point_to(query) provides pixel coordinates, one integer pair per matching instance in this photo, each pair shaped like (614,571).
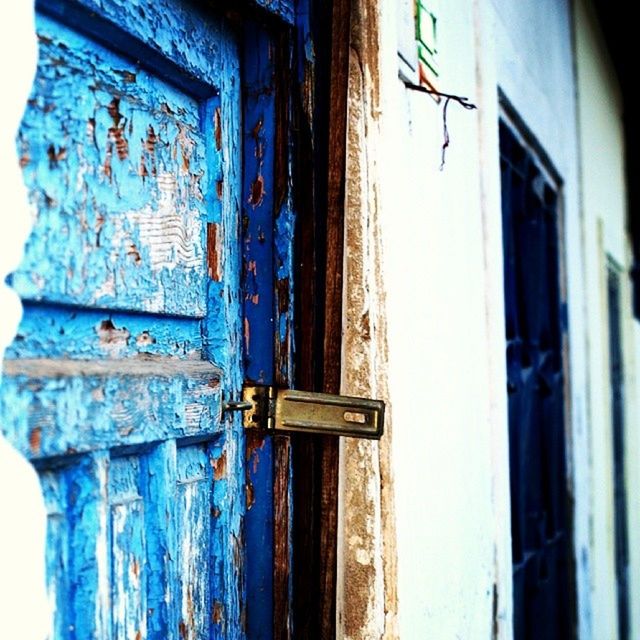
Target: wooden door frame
(295,75)
(319,325)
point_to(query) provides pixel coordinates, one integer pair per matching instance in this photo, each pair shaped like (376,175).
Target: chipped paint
(110,384)
(35,440)
(258,296)
(219,466)
(284,9)
(213,251)
(367,601)
(115,180)
(111,338)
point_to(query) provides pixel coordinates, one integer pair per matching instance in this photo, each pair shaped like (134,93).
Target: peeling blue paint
(305,47)
(98,170)
(284,275)
(258,291)
(222,332)
(48,331)
(284,9)
(132,337)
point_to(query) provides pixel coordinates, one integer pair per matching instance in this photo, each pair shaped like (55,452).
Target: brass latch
(285,410)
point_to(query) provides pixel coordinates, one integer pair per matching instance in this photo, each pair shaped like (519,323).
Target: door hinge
(285,410)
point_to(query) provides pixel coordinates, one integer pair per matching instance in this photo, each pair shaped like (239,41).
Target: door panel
(131,335)
(114,159)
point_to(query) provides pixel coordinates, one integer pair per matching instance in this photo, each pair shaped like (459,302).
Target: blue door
(131,337)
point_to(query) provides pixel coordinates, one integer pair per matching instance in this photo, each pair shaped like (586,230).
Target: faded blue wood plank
(258,205)
(225,540)
(284,288)
(128,550)
(223,332)
(51,408)
(58,549)
(114,161)
(193,512)
(220,123)
(66,332)
(178,41)
(258,288)
(87,515)
(162,531)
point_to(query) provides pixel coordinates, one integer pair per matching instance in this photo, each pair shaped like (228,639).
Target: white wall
(443,269)
(443,376)
(603,197)
(535,71)
(23,608)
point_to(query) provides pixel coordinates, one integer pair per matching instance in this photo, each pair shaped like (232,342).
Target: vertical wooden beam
(268,228)
(323,28)
(339,79)
(258,299)
(283,267)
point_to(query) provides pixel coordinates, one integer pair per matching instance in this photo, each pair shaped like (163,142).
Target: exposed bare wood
(333,306)
(283,347)
(281,538)
(158,367)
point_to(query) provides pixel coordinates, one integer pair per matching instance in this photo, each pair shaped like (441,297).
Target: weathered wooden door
(131,338)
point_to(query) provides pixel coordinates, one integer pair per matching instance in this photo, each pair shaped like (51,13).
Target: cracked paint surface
(131,336)
(115,171)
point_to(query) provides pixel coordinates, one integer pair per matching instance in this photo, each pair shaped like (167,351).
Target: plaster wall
(603,198)
(442,269)
(449,424)
(534,62)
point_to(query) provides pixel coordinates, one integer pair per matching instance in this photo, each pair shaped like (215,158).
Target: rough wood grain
(58,407)
(333,307)
(319,324)
(130,147)
(258,209)
(116,165)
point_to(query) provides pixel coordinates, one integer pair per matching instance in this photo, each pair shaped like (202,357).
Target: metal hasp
(286,410)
